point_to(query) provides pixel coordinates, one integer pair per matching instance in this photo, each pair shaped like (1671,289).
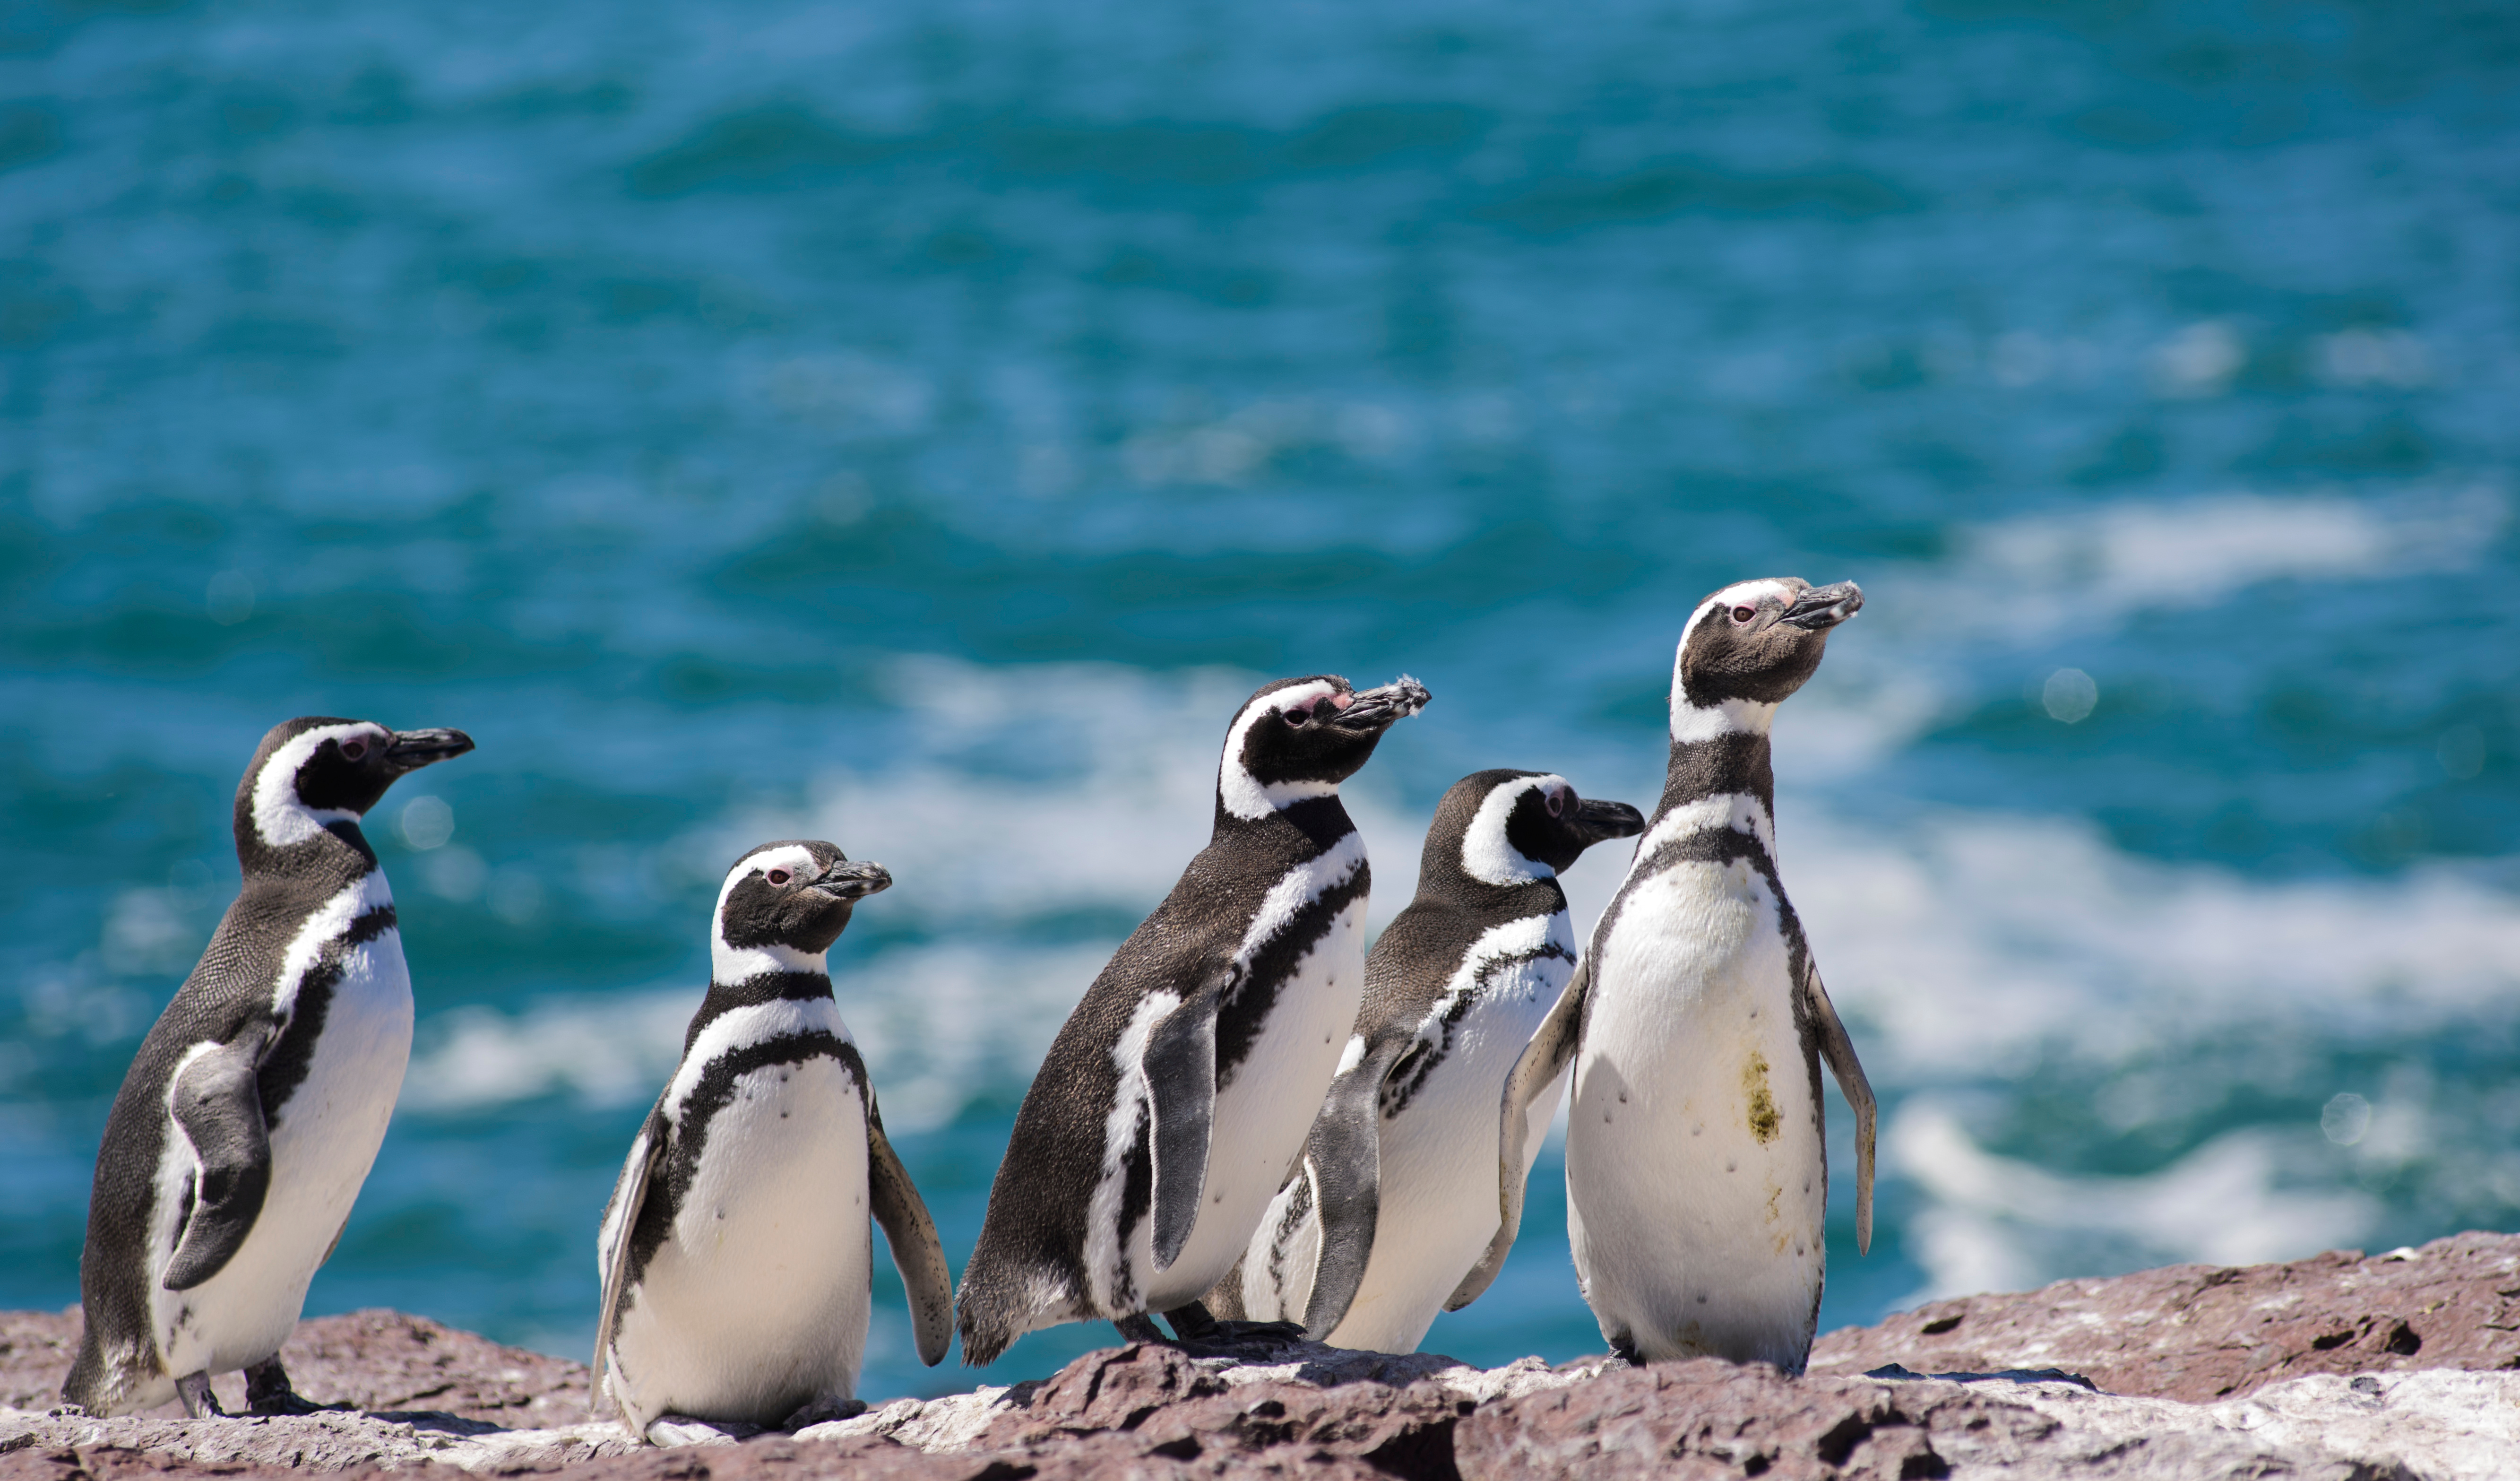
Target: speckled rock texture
(370,1359)
(2338,1368)
(2202,1333)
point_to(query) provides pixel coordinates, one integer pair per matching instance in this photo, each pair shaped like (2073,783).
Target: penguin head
(1751,645)
(1301,737)
(319,770)
(1510,828)
(783,904)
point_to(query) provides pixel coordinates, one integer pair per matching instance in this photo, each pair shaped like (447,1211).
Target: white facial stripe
(1738,811)
(327,926)
(279,818)
(1706,722)
(735,963)
(744,1027)
(1487,854)
(1246,795)
(1692,722)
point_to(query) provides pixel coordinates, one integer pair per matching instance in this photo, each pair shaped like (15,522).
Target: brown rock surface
(2325,1368)
(2201,1333)
(1705,1418)
(371,1359)
(1141,1403)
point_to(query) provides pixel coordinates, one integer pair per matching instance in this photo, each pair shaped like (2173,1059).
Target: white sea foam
(1968,950)
(1971,940)
(1928,634)
(612,1049)
(2000,1224)
(1111,832)
(938,1026)
(2091,567)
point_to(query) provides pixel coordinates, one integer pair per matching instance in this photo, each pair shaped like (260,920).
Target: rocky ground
(2400,1366)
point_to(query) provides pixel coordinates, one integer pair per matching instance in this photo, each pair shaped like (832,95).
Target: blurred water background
(920,427)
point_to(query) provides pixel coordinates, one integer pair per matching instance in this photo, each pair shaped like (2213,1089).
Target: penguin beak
(846,880)
(1375,710)
(412,750)
(1596,821)
(1825,607)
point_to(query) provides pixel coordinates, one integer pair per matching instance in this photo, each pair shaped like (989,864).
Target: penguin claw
(199,1402)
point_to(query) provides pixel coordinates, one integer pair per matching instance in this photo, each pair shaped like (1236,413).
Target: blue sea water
(919,425)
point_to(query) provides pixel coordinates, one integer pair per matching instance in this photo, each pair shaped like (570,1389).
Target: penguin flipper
(1344,1158)
(1839,1051)
(1543,1060)
(219,1107)
(1180,1079)
(629,1196)
(917,1252)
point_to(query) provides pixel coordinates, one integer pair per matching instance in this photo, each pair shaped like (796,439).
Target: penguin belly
(1696,1175)
(1438,1205)
(1436,1202)
(756,1303)
(324,1139)
(1265,1113)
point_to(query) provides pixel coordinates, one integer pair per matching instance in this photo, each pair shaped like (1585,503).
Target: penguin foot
(1139,1328)
(199,1402)
(267,1392)
(669,1431)
(1623,1350)
(824,1411)
(1193,1323)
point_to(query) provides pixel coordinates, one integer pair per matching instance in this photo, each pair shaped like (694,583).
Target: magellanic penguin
(251,1114)
(736,1258)
(1176,1098)
(1697,1165)
(1396,1201)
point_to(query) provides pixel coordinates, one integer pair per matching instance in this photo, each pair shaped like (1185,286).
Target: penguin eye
(1557,804)
(1744,613)
(780,877)
(1298,714)
(353,749)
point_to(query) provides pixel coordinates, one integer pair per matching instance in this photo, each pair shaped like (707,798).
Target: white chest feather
(324,1139)
(757,1302)
(1437,1197)
(1694,1164)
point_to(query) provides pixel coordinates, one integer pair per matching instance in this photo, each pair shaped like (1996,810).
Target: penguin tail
(105,1384)
(985,1332)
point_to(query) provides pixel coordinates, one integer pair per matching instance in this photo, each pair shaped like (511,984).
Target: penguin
(1696,1161)
(736,1260)
(1176,1097)
(251,1112)
(1395,1205)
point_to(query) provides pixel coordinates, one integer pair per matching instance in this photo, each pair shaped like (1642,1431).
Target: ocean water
(920,426)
